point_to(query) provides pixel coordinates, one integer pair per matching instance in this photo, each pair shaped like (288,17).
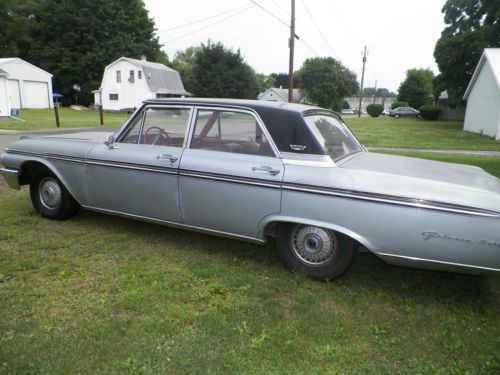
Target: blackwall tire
(50,198)
(318,252)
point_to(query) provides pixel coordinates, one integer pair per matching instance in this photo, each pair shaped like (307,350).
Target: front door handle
(172,159)
(265,168)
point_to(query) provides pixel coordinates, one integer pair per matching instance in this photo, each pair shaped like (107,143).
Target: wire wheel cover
(313,245)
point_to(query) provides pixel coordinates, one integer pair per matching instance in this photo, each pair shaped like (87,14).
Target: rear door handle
(265,168)
(172,159)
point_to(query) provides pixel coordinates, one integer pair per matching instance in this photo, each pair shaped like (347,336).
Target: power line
(203,19)
(271,14)
(317,28)
(209,25)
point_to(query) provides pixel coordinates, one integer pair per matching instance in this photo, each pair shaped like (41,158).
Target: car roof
(257,105)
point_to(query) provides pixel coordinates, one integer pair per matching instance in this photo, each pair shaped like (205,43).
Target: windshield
(336,140)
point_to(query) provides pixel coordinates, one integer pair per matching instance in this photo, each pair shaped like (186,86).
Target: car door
(138,175)
(230,175)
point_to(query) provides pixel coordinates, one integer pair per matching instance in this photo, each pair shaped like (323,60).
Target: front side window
(159,127)
(118,76)
(229,131)
(131,76)
(139,74)
(113,96)
(336,140)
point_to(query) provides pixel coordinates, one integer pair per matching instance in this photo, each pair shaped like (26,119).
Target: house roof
(283,93)
(3,73)
(6,60)
(492,56)
(160,78)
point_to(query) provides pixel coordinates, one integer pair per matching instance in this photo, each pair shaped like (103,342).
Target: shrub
(399,104)
(429,112)
(374,110)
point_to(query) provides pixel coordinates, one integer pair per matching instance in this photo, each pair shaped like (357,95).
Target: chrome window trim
(249,111)
(142,112)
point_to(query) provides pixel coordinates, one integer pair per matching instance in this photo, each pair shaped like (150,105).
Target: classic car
(254,170)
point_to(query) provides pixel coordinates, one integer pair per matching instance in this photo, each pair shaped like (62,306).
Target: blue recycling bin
(15,112)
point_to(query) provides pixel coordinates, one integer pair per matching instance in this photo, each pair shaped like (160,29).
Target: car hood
(422,179)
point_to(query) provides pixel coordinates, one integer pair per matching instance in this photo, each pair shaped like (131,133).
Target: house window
(131,77)
(118,76)
(113,96)
(139,74)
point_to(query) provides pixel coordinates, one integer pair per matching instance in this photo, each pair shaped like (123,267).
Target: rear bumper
(11,176)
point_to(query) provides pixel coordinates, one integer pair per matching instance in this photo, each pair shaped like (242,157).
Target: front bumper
(11,176)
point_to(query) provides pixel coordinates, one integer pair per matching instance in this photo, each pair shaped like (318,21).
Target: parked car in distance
(254,170)
(347,111)
(404,112)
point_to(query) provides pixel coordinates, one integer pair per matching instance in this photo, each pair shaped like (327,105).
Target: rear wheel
(318,252)
(49,196)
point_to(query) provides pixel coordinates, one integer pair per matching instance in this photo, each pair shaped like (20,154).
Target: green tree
(417,87)
(221,73)
(183,62)
(471,26)
(327,82)
(75,40)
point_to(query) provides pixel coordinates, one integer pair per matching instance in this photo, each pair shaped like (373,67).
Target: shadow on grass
(367,275)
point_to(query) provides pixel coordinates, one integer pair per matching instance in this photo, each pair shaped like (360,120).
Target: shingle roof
(492,56)
(160,78)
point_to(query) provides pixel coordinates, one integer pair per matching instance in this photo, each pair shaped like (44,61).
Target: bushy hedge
(399,104)
(374,110)
(429,112)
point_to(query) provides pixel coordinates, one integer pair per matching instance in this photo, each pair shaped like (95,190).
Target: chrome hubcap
(313,245)
(50,193)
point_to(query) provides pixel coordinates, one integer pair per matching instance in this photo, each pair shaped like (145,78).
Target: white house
(23,85)
(127,82)
(281,95)
(483,96)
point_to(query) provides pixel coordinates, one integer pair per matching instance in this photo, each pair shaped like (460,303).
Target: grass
(99,294)
(416,133)
(41,119)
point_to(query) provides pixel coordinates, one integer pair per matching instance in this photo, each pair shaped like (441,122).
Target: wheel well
(28,169)
(271,230)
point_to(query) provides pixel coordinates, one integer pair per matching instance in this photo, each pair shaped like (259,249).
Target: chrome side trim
(395,200)
(343,193)
(11,176)
(175,225)
(439,263)
(232,179)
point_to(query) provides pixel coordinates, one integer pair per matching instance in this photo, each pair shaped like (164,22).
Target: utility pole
(291,45)
(375,92)
(362,80)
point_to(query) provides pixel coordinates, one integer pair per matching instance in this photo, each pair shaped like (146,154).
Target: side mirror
(110,142)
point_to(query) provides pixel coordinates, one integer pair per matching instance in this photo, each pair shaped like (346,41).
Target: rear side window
(229,131)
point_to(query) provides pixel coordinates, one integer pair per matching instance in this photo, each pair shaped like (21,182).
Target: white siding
(130,94)
(483,105)
(4,104)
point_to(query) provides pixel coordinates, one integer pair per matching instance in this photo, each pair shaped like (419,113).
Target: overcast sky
(399,34)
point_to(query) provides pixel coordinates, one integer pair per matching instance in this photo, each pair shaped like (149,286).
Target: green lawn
(104,295)
(38,119)
(416,133)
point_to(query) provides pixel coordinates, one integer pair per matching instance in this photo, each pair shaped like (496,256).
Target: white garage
(24,86)
(483,96)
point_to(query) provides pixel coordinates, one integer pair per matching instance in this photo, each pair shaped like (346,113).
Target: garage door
(14,96)
(36,95)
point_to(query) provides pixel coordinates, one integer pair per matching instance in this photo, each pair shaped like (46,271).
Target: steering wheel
(162,134)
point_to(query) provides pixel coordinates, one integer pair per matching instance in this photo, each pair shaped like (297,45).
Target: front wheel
(50,198)
(318,252)
(396,116)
